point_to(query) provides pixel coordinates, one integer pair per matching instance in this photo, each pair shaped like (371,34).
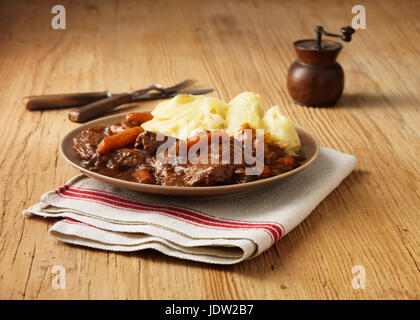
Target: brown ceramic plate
(310,148)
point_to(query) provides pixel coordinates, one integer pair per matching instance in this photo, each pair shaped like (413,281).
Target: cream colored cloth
(223,231)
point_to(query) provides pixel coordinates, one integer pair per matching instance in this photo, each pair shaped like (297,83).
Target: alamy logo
(59,279)
(59,20)
(359,20)
(359,280)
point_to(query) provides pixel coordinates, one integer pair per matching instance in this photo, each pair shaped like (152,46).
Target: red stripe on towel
(137,211)
(193,213)
(189,209)
(156,208)
(72,221)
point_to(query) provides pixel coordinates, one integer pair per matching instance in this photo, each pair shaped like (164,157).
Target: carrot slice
(138,117)
(206,138)
(193,141)
(143,176)
(97,128)
(287,161)
(119,140)
(266,172)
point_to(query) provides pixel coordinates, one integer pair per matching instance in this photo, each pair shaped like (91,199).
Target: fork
(69,100)
(159,87)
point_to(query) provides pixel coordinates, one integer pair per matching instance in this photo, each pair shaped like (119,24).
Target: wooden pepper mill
(315,78)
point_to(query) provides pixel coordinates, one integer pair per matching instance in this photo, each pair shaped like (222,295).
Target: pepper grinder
(315,78)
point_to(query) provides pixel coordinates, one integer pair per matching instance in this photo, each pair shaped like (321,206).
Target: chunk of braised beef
(85,143)
(240,176)
(149,142)
(96,161)
(127,158)
(272,152)
(113,129)
(192,174)
(207,175)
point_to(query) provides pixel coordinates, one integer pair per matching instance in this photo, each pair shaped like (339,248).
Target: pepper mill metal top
(346,33)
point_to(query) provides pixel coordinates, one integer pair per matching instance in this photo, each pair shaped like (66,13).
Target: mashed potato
(185,115)
(244,108)
(281,129)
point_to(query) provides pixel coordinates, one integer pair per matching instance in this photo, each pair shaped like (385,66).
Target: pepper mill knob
(347,33)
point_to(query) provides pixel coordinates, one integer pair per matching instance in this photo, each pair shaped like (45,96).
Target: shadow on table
(144,106)
(375,100)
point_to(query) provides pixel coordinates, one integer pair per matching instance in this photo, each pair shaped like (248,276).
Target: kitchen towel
(223,231)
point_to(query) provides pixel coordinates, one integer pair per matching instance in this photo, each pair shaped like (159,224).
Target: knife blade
(160,95)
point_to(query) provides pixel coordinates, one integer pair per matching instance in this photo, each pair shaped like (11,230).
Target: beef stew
(125,151)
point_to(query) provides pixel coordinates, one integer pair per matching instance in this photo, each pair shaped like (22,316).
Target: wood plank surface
(372,219)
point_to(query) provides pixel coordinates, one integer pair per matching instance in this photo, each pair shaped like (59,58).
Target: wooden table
(372,219)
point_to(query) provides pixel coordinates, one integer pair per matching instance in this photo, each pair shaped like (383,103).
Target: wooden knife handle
(98,108)
(61,101)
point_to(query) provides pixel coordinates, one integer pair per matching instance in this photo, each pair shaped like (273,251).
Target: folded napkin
(225,231)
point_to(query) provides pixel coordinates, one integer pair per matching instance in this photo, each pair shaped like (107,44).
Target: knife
(63,100)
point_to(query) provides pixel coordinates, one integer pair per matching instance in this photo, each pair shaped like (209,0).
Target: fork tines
(179,86)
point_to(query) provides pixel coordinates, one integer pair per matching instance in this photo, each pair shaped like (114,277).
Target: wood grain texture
(372,219)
